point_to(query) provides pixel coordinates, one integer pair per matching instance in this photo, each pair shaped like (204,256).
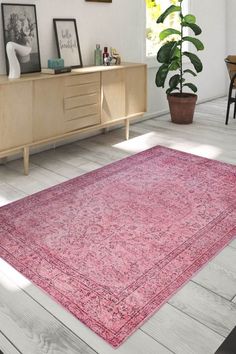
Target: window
(153,10)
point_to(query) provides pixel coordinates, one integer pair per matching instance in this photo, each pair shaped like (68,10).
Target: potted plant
(171,56)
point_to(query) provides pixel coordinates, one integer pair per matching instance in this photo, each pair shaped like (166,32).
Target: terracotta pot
(182,106)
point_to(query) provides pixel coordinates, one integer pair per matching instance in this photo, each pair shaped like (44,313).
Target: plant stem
(181,49)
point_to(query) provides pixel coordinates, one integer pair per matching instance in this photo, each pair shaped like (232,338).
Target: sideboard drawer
(82,122)
(80,112)
(72,91)
(82,79)
(78,101)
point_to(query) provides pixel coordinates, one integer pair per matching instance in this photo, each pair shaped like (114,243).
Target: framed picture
(20,26)
(68,42)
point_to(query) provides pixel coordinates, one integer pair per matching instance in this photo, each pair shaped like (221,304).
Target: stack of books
(65,69)
(56,66)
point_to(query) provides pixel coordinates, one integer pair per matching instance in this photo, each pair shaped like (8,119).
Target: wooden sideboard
(39,108)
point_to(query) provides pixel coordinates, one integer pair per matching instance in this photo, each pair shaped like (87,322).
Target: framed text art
(68,42)
(20,26)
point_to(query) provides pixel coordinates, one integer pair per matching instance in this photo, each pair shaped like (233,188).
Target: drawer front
(82,79)
(78,101)
(82,101)
(80,112)
(82,122)
(72,91)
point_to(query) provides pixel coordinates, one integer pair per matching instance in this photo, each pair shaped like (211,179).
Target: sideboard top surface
(80,71)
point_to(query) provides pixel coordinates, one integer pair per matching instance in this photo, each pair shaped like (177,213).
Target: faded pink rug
(113,245)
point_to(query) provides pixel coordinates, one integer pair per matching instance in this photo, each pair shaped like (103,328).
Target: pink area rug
(113,245)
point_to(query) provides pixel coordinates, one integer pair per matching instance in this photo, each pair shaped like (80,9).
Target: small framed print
(20,26)
(68,41)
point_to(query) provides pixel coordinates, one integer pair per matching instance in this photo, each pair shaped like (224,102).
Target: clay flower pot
(182,107)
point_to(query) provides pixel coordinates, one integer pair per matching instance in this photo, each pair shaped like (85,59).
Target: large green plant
(172,53)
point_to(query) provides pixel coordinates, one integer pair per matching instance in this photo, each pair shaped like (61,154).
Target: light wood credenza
(38,109)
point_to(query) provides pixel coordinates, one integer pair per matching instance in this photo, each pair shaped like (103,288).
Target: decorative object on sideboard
(112,58)
(20,26)
(98,55)
(56,71)
(56,66)
(115,57)
(106,57)
(68,42)
(56,63)
(15,50)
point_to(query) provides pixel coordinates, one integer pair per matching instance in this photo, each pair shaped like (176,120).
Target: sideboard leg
(26,160)
(127,129)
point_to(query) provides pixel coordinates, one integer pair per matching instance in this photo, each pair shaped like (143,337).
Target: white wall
(231,23)
(113,24)
(121,25)
(211,15)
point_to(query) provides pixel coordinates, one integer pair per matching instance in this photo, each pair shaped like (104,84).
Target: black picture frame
(20,26)
(67,40)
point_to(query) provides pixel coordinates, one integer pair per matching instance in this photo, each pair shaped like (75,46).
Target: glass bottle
(106,56)
(98,55)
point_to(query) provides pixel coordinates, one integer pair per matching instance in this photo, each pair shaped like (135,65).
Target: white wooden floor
(195,321)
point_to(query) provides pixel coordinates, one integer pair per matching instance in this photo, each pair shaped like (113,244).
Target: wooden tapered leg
(127,129)
(26,160)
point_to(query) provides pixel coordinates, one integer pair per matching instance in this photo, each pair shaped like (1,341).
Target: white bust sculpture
(13,49)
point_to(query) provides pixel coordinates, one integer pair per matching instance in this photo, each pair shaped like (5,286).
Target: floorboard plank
(181,333)
(9,194)
(6,347)
(233,244)
(31,328)
(206,307)
(218,278)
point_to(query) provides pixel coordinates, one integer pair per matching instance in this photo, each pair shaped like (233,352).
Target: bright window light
(153,10)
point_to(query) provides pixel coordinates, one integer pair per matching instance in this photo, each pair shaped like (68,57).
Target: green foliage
(194,60)
(167,12)
(168,32)
(166,52)
(195,28)
(171,53)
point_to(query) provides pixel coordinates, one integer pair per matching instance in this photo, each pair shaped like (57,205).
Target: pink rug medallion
(113,245)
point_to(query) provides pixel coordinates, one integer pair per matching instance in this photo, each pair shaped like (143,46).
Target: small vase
(14,49)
